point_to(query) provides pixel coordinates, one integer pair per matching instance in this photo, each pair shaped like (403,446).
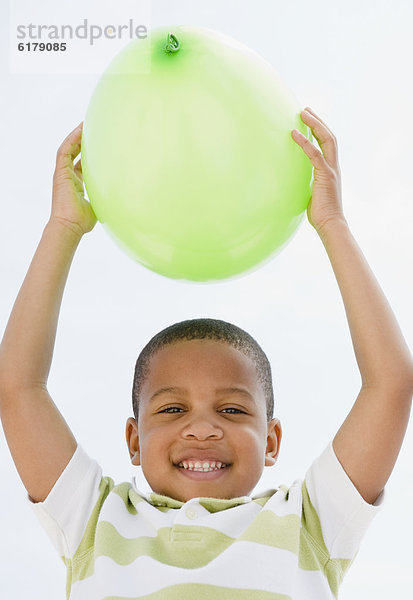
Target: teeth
(204,466)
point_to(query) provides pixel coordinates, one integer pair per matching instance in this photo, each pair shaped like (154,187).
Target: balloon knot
(173,44)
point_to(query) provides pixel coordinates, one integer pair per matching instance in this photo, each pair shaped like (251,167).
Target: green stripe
(130,498)
(200,545)
(216,504)
(186,546)
(313,555)
(272,530)
(82,562)
(159,500)
(211,504)
(192,591)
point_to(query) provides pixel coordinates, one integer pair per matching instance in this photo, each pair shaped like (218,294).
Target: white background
(351,62)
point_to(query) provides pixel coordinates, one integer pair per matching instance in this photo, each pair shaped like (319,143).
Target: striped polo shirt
(287,543)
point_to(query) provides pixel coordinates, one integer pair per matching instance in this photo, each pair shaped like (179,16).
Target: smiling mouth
(201,474)
(202,466)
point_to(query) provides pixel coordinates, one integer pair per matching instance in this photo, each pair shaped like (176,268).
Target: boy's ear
(274,435)
(132,439)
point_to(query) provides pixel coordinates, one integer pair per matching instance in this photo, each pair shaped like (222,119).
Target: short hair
(199,329)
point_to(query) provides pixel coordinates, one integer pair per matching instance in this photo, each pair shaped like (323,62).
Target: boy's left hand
(69,205)
(325,203)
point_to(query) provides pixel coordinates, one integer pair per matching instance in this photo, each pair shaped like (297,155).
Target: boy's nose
(202,430)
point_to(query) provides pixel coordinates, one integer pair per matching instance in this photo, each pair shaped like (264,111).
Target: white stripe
(127,525)
(273,570)
(149,520)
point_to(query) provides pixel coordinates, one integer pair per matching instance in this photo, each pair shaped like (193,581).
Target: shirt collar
(211,504)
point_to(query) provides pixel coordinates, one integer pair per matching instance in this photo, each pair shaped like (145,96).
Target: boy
(203,431)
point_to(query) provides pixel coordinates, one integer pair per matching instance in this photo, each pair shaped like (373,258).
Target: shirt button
(191,513)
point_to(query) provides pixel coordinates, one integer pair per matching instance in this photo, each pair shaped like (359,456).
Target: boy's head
(203,391)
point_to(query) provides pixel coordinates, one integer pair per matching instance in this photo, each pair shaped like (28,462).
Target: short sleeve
(343,514)
(65,512)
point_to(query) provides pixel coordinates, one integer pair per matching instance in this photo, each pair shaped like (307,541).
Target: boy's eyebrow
(178,390)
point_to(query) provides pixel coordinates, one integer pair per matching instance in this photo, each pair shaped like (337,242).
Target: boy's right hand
(69,205)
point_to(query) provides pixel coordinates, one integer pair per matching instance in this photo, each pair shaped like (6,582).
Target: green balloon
(187,155)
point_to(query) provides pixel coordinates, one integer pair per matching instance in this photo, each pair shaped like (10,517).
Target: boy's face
(194,421)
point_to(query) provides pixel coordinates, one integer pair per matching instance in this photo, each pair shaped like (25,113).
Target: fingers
(70,147)
(311,112)
(316,157)
(324,137)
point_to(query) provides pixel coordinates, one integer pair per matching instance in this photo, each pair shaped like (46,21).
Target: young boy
(203,431)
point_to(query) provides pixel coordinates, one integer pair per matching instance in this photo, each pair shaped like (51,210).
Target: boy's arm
(368,442)
(39,439)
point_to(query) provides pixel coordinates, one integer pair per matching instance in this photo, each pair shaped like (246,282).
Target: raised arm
(369,441)
(39,439)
